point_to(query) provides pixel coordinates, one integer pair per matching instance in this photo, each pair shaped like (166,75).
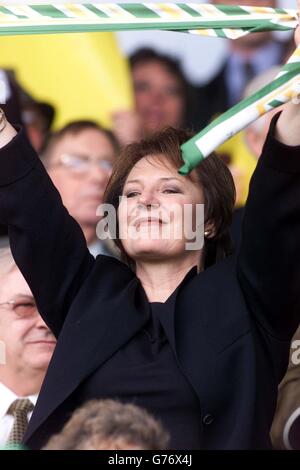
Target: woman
(161,94)
(201,347)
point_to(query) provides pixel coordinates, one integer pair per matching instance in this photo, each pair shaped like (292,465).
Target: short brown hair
(110,424)
(212,175)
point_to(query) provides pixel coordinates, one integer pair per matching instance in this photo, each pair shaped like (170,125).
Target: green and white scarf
(209,20)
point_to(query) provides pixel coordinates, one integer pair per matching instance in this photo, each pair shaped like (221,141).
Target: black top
(145,372)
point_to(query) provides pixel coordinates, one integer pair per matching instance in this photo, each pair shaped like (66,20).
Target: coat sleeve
(269,259)
(46,242)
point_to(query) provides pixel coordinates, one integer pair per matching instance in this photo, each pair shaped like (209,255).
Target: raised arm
(46,242)
(269,259)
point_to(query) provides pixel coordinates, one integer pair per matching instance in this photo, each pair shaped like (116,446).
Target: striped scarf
(209,20)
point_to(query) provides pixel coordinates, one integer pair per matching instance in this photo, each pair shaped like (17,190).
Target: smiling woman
(173,330)
(146,175)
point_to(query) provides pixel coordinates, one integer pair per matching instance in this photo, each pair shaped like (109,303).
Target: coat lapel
(81,349)
(210,314)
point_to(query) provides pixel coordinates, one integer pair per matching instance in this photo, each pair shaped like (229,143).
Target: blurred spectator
(79,159)
(26,349)
(110,425)
(38,118)
(24,109)
(248,56)
(161,96)
(285,431)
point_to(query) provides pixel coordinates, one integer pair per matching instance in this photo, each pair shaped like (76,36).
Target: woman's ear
(209,230)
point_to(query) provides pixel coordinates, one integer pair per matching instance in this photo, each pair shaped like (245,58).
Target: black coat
(233,322)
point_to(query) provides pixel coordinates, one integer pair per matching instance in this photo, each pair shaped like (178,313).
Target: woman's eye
(171,191)
(131,194)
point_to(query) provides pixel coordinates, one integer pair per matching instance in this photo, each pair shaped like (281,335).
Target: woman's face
(158,97)
(160,211)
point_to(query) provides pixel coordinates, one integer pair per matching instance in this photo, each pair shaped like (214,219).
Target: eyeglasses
(82,164)
(22,308)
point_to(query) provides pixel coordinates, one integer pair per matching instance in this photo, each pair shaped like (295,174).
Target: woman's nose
(148,198)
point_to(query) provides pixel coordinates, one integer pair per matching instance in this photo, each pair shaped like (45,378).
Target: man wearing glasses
(26,347)
(79,160)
